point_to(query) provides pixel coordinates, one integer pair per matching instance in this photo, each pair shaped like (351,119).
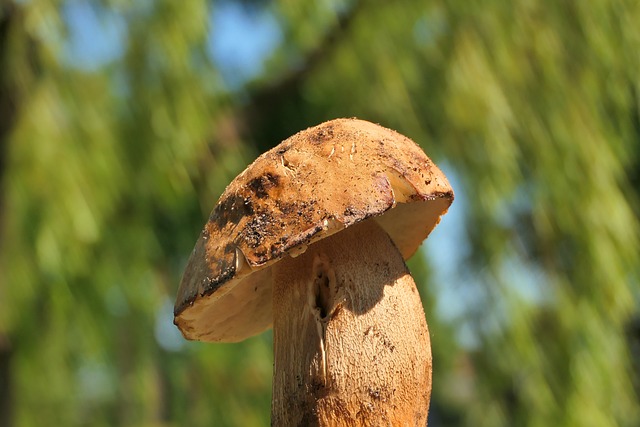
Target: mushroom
(311,238)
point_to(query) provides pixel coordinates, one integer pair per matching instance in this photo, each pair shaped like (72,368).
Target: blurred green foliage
(108,173)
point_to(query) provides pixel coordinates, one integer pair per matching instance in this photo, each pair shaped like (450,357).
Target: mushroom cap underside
(310,186)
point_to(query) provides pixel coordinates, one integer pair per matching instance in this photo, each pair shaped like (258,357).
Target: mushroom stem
(351,344)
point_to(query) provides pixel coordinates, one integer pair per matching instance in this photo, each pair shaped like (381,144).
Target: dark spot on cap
(231,210)
(230,247)
(322,134)
(283,149)
(262,184)
(285,208)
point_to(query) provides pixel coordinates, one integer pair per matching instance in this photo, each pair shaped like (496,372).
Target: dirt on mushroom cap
(311,185)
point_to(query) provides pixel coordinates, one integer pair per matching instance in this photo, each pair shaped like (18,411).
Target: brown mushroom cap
(310,186)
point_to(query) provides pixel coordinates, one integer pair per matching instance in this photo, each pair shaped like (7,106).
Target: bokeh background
(122,122)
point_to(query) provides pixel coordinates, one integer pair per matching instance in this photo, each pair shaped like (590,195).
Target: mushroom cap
(314,184)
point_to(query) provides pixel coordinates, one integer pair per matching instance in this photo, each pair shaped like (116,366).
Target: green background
(122,122)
